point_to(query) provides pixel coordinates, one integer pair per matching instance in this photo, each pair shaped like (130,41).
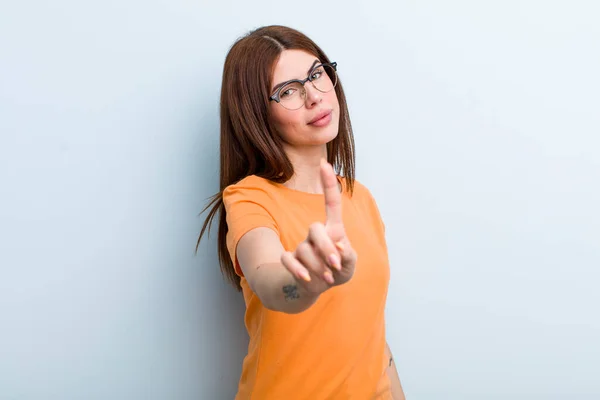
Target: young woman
(305,244)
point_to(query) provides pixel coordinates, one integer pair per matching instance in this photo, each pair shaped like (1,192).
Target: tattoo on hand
(291,292)
(391,359)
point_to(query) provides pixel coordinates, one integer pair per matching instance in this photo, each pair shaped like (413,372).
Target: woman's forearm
(279,291)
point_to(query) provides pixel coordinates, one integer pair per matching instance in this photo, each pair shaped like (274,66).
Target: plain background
(478,130)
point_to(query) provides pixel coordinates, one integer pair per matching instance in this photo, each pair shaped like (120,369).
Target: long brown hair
(249,142)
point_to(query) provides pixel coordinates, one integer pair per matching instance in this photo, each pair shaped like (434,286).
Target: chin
(322,136)
(331,134)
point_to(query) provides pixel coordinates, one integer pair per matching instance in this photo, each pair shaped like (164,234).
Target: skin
(304,144)
(292,281)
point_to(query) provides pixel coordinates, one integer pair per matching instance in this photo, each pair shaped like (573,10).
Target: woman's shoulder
(251,181)
(251,186)
(360,190)
(363,197)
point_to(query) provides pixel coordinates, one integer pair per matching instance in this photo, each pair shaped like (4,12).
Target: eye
(316,74)
(287,92)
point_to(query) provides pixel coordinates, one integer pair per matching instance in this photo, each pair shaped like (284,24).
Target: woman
(306,246)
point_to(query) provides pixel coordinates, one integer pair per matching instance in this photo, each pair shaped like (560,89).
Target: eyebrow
(307,72)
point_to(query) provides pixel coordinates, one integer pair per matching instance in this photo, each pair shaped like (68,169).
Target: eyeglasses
(292,94)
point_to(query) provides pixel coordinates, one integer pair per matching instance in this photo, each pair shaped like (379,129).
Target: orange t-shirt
(336,348)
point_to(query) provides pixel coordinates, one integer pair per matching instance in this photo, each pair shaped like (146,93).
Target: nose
(313,96)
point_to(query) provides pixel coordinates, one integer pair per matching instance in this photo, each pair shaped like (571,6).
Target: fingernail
(305,276)
(340,245)
(334,260)
(329,277)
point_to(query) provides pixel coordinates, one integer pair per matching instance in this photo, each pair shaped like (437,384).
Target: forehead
(292,64)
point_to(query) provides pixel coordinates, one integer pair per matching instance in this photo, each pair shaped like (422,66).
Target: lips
(320,116)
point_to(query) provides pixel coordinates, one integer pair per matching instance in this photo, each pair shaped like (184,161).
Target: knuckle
(285,256)
(287,259)
(303,247)
(315,227)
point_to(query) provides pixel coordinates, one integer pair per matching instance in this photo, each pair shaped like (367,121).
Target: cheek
(332,99)
(288,121)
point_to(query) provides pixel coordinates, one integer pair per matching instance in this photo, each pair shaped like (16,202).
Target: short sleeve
(375,208)
(246,208)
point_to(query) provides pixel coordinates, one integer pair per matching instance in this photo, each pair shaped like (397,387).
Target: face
(316,122)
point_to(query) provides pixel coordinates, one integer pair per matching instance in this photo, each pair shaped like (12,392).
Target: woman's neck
(307,175)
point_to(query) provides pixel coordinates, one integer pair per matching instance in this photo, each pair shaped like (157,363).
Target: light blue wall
(478,130)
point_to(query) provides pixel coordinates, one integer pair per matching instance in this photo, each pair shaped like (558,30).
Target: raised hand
(325,258)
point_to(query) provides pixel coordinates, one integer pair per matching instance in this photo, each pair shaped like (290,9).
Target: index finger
(333,198)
